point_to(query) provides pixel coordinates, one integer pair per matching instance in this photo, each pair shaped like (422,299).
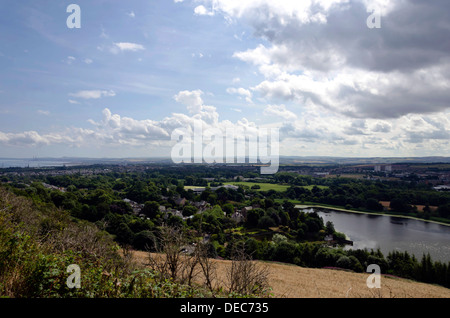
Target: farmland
(271,186)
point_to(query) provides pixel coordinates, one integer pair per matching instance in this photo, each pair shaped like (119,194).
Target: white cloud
(131,14)
(279,111)
(32,139)
(201,10)
(361,94)
(70,59)
(126,46)
(43,112)
(280,11)
(71,101)
(312,131)
(92,94)
(323,51)
(88,61)
(191,99)
(241,92)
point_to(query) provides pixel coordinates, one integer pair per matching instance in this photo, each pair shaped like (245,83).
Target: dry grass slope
(290,281)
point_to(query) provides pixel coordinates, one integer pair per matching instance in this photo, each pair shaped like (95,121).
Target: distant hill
(283,160)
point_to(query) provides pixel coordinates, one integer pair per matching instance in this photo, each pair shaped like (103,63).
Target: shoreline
(306,206)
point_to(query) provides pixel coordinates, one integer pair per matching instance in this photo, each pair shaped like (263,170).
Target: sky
(135,71)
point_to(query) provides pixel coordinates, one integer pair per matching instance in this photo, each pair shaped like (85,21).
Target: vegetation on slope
(38,243)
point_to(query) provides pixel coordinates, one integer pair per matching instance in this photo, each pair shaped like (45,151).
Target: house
(238,217)
(245,210)
(386,205)
(173,212)
(201,205)
(134,205)
(442,188)
(180,201)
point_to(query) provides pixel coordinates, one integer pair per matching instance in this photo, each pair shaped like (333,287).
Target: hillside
(38,242)
(290,281)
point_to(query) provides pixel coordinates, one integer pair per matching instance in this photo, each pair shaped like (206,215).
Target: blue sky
(118,86)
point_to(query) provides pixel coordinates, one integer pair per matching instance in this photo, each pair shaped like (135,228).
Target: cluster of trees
(366,194)
(99,198)
(313,254)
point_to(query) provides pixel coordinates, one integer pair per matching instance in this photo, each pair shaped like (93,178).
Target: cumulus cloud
(201,10)
(191,99)
(324,51)
(279,111)
(309,131)
(245,93)
(32,139)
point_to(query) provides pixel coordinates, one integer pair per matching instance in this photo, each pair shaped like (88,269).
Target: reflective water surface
(390,233)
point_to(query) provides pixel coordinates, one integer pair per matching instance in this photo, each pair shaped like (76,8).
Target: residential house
(245,210)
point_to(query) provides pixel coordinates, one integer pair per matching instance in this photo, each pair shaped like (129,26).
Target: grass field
(290,281)
(264,186)
(270,186)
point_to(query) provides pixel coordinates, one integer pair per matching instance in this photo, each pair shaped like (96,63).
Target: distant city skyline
(135,71)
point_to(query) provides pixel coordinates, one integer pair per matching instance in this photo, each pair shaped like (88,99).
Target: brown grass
(290,281)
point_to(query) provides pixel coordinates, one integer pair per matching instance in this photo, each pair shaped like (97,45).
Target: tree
(330,227)
(228,208)
(244,276)
(151,209)
(400,205)
(265,222)
(268,203)
(189,210)
(444,210)
(278,238)
(145,240)
(373,204)
(124,234)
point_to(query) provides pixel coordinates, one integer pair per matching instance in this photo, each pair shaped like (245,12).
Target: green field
(270,186)
(192,187)
(264,186)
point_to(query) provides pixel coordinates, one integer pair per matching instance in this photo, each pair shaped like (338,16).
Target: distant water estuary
(24,163)
(391,233)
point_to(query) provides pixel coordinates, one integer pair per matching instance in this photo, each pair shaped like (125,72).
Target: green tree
(228,208)
(400,205)
(330,227)
(151,209)
(189,210)
(373,205)
(253,216)
(265,222)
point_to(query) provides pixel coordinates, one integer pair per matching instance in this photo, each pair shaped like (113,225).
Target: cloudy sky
(136,70)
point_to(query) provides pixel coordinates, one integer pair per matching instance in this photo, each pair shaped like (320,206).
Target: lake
(390,233)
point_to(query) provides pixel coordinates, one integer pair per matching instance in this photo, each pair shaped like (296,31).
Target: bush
(344,262)
(265,222)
